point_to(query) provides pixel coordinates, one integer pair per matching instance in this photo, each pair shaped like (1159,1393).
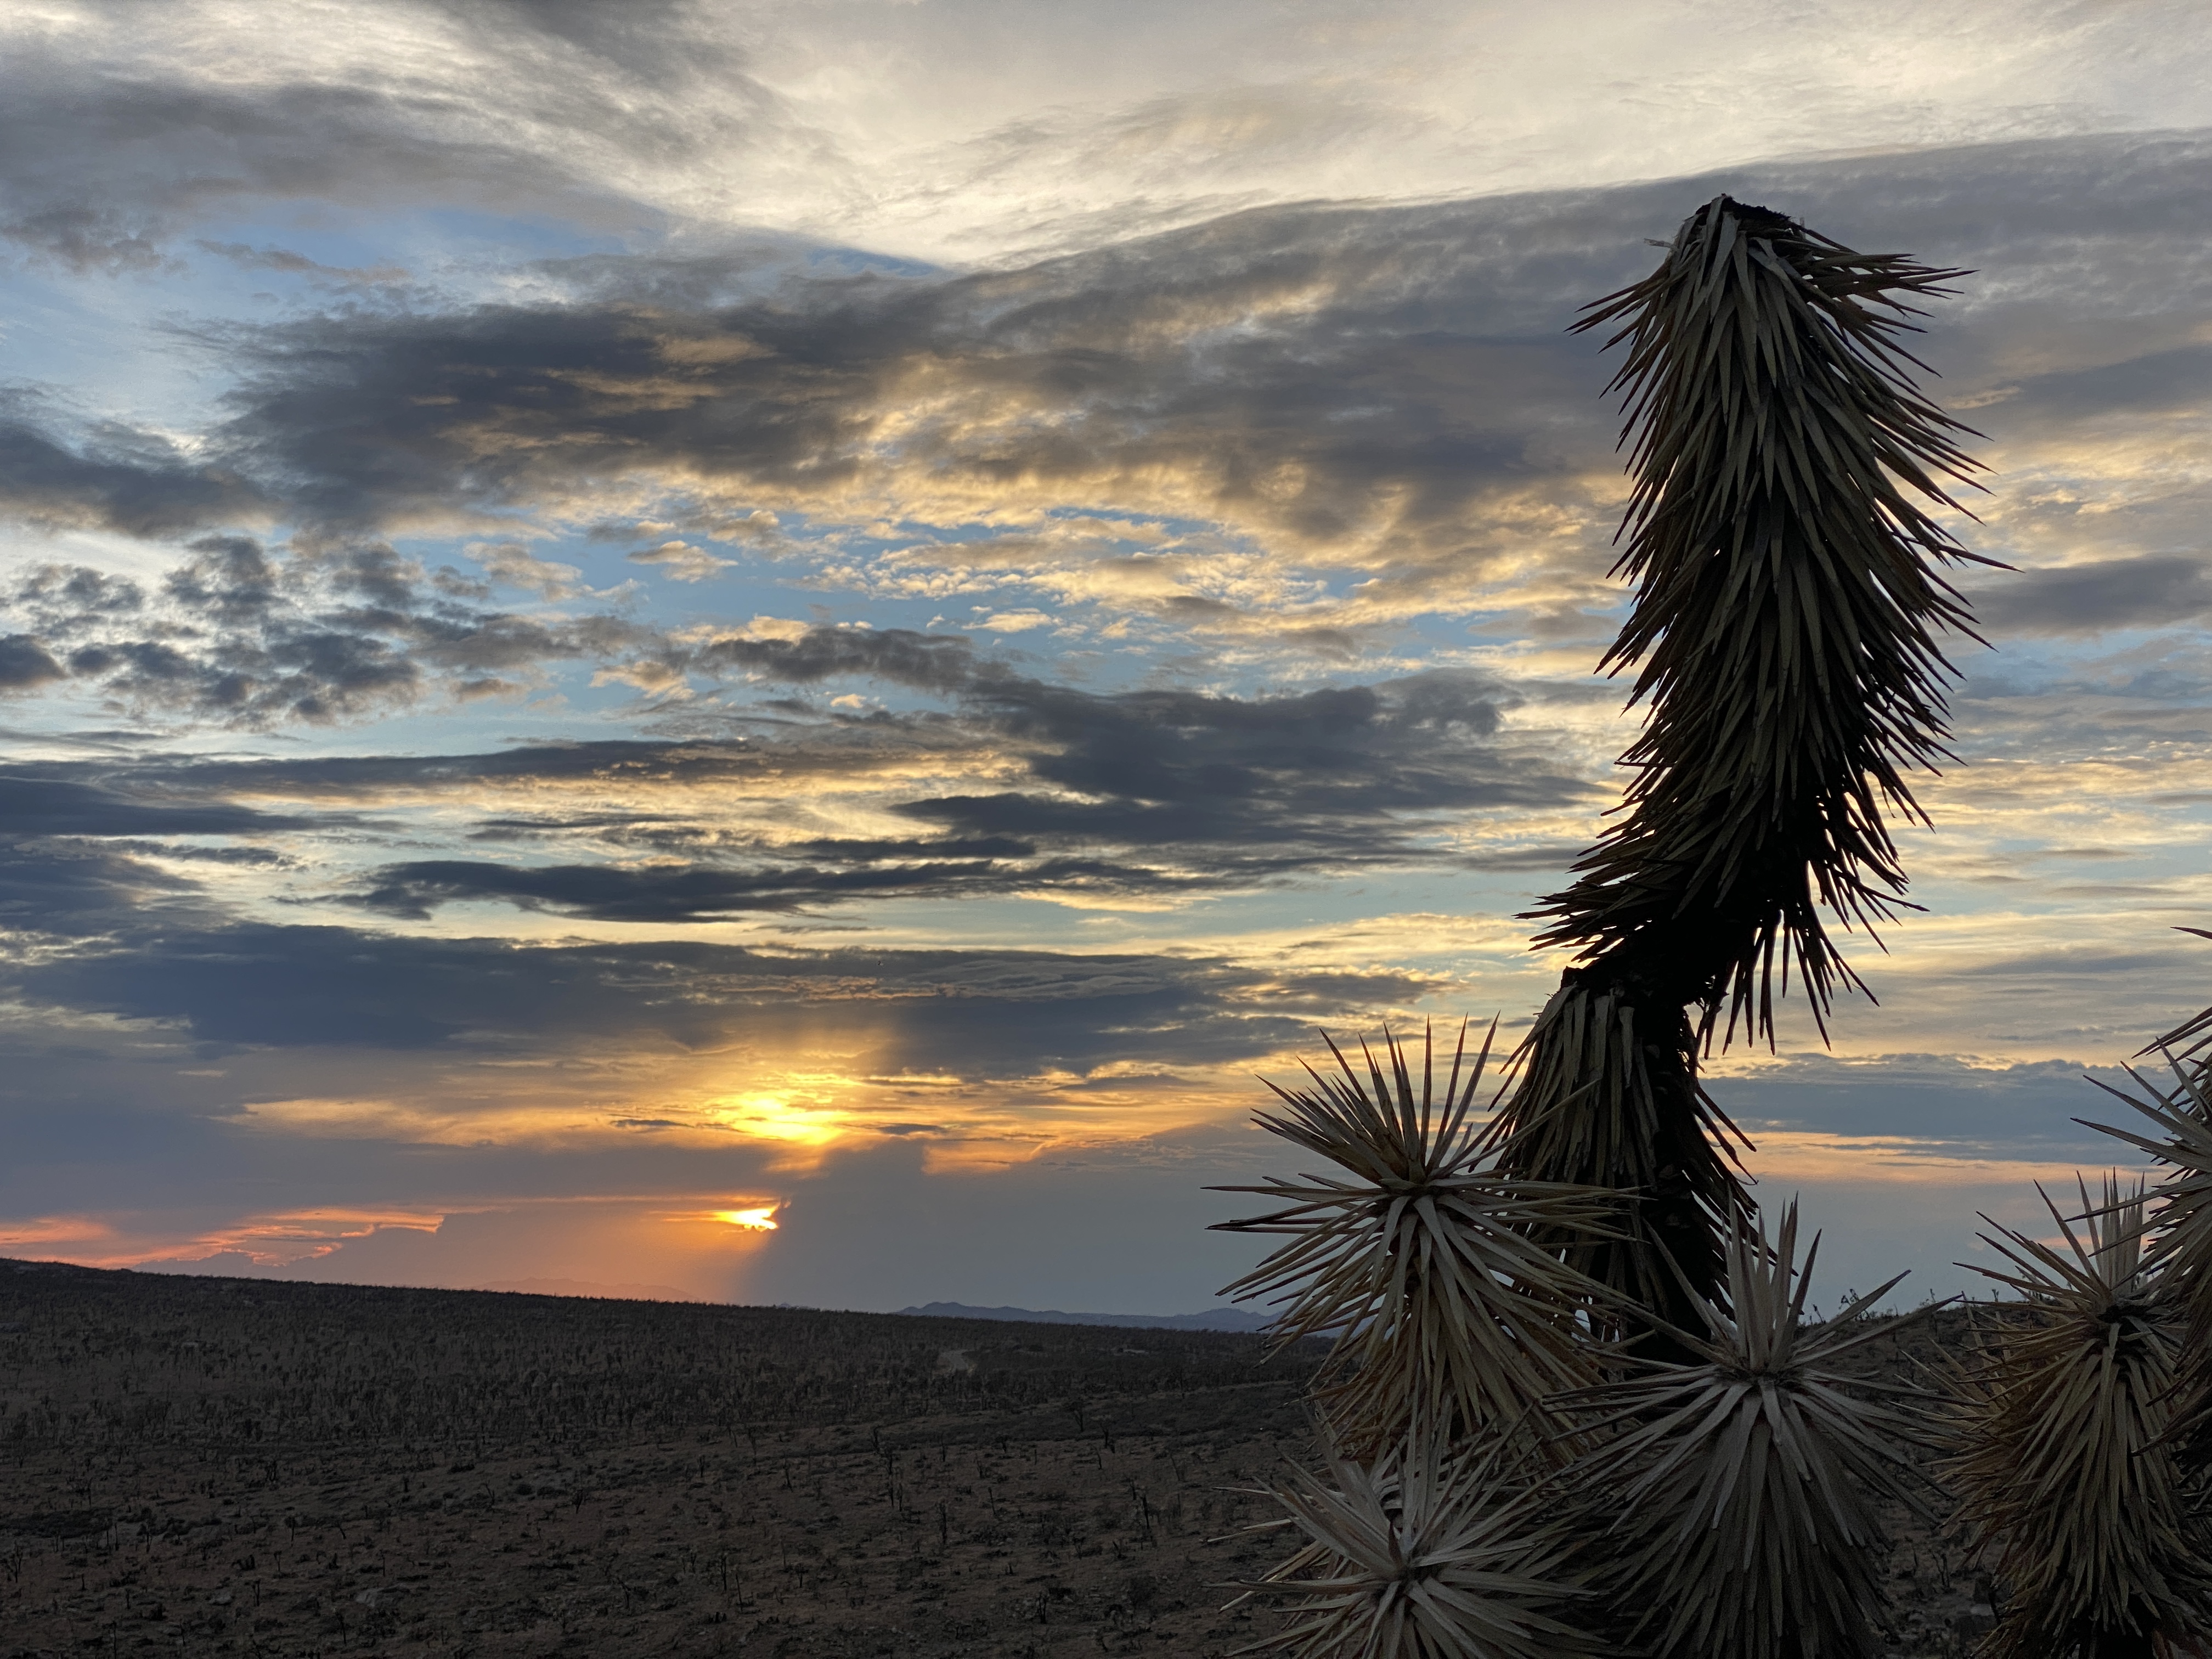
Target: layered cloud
(1300,428)
(970,129)
(695,645)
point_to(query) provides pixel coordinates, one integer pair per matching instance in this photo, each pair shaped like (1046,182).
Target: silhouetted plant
(1417,1261)
(1734,1499)
(1786,620)
(1428,1553)
(2064,1462)
(2180,1224)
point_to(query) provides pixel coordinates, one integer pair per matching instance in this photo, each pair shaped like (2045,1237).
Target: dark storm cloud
(26,664)
(78,800)
(1138,794)
(943,664)
(1334,769)
(69,887)
(997,1014)
(2168,382)
(603,893)
(74,845)
(2027,1110)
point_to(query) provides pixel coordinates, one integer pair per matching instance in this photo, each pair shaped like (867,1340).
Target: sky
(619,622)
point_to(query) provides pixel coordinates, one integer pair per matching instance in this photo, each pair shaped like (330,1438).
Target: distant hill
(588,1287)
(1213,1319)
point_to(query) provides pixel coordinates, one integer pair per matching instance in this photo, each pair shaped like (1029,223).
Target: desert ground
(204,1467)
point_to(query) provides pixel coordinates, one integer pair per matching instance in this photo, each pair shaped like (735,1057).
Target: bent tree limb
(1785,635)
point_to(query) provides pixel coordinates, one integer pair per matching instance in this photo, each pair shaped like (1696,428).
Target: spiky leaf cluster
(2180,1235)
(1426,1554)
(1738,1494)
(1781,540)
(1417,1261)
(2062,1462)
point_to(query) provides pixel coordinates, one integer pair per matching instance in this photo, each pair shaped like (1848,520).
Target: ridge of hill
(1209,1319)
(591,1290)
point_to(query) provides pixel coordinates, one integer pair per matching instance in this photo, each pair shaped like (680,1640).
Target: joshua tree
(1719,1509)
(1435,1532)
(1430,1553)
(1714,1499)
(1786,621)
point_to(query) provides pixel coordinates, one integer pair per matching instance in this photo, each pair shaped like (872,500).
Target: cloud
(514,564)
(25,665)
(974,131)
(71,800)
(945,665)
(1016,787)
(689,894)
(121,132)
(681,562)
(117,478)
(239,633)
(1300,428)
(1369,408)
(2104,593)
(1133,795)
(293,987)
(283,260)
(58,888)
(1294,422)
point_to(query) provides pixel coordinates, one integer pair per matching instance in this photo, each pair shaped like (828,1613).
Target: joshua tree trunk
(1785,624)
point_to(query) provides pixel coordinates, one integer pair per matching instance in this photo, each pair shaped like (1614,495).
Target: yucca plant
(1734,1498)
(1786,621)
(1415,1260)
(1428,1553)
(2179,1236)
(2062,1454)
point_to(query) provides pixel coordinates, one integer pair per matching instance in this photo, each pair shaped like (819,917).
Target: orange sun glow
(760,1219)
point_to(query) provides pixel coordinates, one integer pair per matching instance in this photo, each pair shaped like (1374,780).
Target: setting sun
(779,1117)
(760,1219)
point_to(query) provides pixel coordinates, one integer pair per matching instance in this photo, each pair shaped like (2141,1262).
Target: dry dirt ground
(206,1466)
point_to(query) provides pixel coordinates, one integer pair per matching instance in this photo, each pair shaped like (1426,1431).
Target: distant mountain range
(1213,1319)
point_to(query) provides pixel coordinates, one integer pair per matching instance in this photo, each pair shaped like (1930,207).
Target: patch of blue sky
(122,345)
(1339,912)
(105,349)
(471,240)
